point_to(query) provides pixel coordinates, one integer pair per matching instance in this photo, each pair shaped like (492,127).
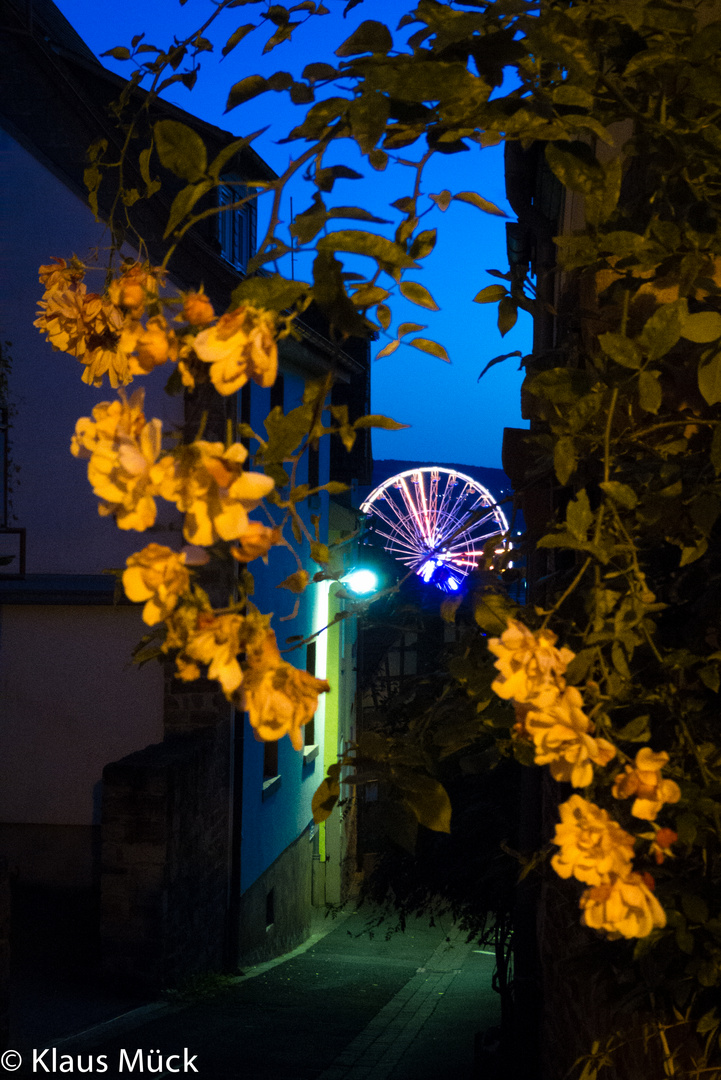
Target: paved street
(345,1006)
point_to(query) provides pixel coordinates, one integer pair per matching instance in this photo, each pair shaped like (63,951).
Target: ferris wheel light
(361,581)
(436,521)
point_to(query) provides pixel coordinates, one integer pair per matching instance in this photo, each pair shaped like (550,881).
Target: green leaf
(579,516)
(580,666)
(236,37)
(564,459)
(715,455)
(423,244)
(442,200)
(621,349)
(183,203)
(572,95)
(319,552)
(687,828)
(507,315)
(296,582)
(325,799)
(181,150)
(314,72)
(576,166)
(371,36)
(663,329)
(409,328)
(695,908)
(650,394)
(709,379)
(492,611)
(431,347)
(247,88)
(379,421)
(703,327)
(490,295)
(367,295)
(637,730)
(474,199)
(356,242)
(620,493)
(709,676)
(619,660)
(708,1022)
(383,315)
(426,798)
(274,293)
(326,178)
(120,52)
(418,294)
(224,156)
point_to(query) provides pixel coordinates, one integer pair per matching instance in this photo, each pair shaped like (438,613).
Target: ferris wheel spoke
(400,524)
(433,497)
(412,508)
(402,521)
(401,545)
(424,508)
(470,524)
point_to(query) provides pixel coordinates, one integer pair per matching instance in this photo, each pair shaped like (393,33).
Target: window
(270,760)
(309,729)
(236,228)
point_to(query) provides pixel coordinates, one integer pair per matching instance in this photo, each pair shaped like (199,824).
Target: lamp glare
(361,582)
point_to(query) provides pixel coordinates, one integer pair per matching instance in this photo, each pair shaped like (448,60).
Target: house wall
(39,219)
(69,699)
(165,859)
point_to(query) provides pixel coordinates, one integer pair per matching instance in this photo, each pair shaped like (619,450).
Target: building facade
(151,796)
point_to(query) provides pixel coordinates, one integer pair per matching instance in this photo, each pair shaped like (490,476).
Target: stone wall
(4,952)
(271,927)
(164,857)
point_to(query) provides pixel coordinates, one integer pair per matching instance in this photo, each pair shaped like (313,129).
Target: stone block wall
(164,858)
(269,927)
(4,953)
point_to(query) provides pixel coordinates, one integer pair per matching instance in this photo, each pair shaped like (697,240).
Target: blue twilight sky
(453,417)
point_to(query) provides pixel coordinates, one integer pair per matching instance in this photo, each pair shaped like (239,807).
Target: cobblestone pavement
(344,1006)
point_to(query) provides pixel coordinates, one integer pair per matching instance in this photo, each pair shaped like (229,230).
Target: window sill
(310,753)
(270,785)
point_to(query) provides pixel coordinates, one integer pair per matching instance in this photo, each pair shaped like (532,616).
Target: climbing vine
(612,675)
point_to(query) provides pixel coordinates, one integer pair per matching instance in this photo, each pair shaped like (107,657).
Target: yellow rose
(122,451)
(240,346)
(216,641)
(255,542)
(154,345)
(562,739)
(593,845)
(644,782)
(529,664)
(279,698)
(197,309)
(158,576)
(624,907)
(215,493)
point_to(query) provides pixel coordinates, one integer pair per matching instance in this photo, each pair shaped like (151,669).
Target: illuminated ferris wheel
(436,521)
